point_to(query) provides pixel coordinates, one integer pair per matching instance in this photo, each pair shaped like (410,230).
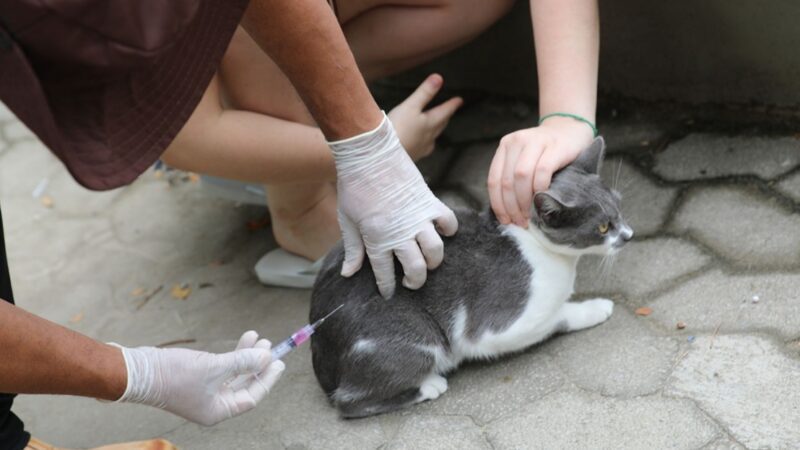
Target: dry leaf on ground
(47,201)
(643,311)
(76,318)
(181,291)
(138,292)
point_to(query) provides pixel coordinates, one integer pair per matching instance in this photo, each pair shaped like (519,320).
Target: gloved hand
(386,208)
(205,388)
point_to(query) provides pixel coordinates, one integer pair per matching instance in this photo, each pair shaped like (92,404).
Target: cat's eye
(603,229)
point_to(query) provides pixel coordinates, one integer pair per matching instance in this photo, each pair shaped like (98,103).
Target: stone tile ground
(717,247)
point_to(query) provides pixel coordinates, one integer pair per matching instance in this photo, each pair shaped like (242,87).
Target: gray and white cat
(500,289)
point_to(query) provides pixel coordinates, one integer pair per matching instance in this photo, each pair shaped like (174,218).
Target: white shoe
(281,268)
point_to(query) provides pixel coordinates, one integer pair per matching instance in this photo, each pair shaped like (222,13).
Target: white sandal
(283,269)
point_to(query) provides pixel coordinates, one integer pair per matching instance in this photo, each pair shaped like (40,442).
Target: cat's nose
(626,234)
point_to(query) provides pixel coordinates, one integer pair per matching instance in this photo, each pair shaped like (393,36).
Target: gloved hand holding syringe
(299,336)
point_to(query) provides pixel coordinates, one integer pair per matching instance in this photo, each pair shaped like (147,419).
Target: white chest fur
(551,286)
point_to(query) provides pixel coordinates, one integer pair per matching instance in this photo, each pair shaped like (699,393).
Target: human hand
(525,163)
(418,128)
(205,388)
(386,208)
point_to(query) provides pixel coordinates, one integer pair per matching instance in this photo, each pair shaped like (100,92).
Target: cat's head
(579,214)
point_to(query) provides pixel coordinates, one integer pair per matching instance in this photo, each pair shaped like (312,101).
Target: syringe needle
(319,322)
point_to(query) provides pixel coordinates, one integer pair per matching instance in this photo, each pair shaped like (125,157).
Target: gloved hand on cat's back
(387,210)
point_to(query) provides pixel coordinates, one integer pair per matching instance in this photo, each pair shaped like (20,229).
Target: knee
(477,15)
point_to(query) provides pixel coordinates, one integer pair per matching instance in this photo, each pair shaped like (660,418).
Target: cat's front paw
(597,310)
(588,313)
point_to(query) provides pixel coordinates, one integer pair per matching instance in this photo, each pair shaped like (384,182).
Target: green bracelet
(571,116)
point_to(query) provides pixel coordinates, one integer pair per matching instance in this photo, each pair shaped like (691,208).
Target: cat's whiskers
(617,174)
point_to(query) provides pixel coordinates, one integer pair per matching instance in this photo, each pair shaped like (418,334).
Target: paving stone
(639,268)
(471,169)
(175,218)
(703,156)
(645,204)
(723,443)
(5,113)
(449,432)
(59,241)
(23,166)
(489,119)
(745,383)
(626,134)
(71,199)
(620,357)
(489,391)
(716,299)
(296,414)
(75,422)
(17,131)
(790,186)
(746,228)
(579,420)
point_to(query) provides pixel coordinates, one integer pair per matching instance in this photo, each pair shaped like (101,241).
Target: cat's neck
(533,236)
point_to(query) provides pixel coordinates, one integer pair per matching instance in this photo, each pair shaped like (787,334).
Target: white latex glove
(205,388)
(386,208)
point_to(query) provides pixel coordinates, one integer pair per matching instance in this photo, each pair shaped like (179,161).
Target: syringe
(299,336)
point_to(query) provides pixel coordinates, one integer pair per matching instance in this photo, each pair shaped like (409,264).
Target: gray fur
(483,272)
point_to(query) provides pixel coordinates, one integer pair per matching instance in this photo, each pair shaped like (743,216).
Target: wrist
(574,128)
(114,373)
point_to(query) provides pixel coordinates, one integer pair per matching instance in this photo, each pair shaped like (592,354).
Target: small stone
(690,339)
(643,311)
(755,299)
(680,325)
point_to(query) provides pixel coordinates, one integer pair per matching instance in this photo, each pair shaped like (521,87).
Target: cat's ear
(591,159)
(549,208)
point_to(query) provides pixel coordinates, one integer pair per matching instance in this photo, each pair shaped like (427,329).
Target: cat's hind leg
(579,315)
(432,387)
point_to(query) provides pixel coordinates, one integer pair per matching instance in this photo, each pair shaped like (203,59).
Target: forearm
(40,357)
(567,36)
(306,42)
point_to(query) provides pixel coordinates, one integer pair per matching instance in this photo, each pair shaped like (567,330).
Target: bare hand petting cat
(525,163)
(386,209)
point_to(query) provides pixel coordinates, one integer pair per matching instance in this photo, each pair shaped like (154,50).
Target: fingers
(440,115)
(248,340)
(353,246)
(246,361)
(383,268)
(548,164)
(507,186)
(432,247)
(425,92)
(523,180)
(414,266)
(259,386)
(493,184)
(446,222)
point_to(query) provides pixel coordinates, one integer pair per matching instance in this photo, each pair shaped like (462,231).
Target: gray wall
(694,51)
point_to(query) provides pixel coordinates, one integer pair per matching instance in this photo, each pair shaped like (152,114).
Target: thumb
(426,91)
(353,246)
(247,361)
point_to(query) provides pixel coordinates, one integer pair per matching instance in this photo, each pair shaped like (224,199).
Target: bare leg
(267,135)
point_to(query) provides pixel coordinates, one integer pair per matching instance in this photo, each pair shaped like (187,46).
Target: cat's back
(480,262)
